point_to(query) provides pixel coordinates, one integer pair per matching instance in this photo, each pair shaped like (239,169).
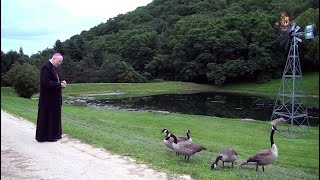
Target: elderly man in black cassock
(50,101)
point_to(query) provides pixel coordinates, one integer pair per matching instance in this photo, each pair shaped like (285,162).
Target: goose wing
(181,138)
(259,155)
(234,152)
(228,151)
(192,148)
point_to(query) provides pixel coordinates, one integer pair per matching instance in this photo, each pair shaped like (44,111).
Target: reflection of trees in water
(213,104)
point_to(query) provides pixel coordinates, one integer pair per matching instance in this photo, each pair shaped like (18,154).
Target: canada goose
(225,155)
(265,157)
(169,140)
(185,148)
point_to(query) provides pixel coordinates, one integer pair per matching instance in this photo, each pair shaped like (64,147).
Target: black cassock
(49,107)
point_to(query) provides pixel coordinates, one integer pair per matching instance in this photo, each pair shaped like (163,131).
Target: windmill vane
(289,31)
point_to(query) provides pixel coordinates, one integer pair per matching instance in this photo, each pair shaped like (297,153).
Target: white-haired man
(50,101)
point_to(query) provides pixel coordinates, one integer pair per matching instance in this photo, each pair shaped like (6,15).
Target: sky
(36,25)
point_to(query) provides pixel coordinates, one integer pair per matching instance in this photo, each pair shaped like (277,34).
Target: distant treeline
(202,41)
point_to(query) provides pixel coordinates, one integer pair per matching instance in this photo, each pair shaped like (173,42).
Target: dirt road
(22,157)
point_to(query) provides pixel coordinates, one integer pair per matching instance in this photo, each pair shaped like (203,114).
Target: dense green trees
(8,60)
(114,69)
(205,41)
(24,78)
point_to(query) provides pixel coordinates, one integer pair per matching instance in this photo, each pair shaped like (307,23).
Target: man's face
(57,61)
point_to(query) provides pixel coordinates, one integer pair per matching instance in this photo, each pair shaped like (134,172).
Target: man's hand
(63,84)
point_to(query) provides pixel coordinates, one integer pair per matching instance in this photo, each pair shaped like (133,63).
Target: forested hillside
(203,41)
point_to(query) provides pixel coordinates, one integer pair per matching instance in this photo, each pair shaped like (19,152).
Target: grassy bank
(270,89)
(311,85)
(137,134)
(133,89)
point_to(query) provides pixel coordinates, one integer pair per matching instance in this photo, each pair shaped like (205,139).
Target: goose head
(188,134)
(165,131)
(213,166)
(274,128)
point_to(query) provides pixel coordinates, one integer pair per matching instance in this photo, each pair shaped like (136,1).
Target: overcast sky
(35,25)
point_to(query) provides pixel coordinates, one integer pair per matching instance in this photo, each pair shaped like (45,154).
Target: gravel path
(22,157)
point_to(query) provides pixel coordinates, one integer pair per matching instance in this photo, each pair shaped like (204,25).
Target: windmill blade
(296,29)
(298,39)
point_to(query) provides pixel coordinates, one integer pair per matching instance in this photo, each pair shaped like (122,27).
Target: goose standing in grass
(265,157)
(185,148)
(225,155)
(169,140)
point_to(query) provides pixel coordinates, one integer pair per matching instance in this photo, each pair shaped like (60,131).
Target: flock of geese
(184,146)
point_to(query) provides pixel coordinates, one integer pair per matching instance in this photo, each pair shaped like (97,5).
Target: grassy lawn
(270,89)
(137,134)
(311,85)
(133,89)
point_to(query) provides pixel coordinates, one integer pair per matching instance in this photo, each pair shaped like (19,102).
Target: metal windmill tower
(289,107)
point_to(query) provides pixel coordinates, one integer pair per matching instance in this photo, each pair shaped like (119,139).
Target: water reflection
(206,103)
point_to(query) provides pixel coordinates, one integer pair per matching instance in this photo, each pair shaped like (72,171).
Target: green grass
(134,89)
(270,89)
(137,134)
(311,85)
(105,90)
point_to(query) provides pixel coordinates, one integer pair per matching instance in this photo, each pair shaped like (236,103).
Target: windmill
(289,112)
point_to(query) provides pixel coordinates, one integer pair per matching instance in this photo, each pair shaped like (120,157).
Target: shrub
(24,78)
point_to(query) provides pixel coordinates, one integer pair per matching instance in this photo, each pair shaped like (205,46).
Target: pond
(218,104)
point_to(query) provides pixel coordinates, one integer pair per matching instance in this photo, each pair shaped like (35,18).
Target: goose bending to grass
(225,155)
(169,140)
(265,157)
(185,148)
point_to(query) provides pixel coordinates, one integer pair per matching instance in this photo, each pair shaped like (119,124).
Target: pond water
(218,104)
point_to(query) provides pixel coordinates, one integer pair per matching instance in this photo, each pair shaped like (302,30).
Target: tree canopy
(204,41)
